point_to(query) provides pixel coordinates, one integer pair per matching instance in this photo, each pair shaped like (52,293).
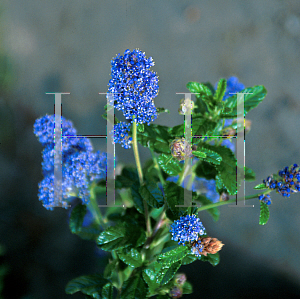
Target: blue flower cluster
(80,165)
(197,247)
(186,229)
(121,136)
(265,198)
(288,183)
(135,86)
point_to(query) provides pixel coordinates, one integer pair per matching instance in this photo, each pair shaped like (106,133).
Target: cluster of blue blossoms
(287,183)
(80,166)
(134,87)
(186,229)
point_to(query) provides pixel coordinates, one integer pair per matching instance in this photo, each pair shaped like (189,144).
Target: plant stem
(221,203)
(93,207)
(161,178)
(140,173)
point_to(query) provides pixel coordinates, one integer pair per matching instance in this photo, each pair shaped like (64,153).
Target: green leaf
(132,257)
(134,288)
(128,177)
(149,276)
(206,170)
(174,196)
(220,92)
(121,236)
(249,174)
(214,212)
(90,232)
(88,284)
(264,213)
(152,194)
(213,259)
(173,256)
(137,198)
(167,272)
(107,291)
(199,154)
(190,258)
(162,110)
(259,92)
(227,168)
(211,156)
(169,165)
(76,219)
(260,187)
(110,269)
(156,137)
(140,128)
(200,88)
(187,288)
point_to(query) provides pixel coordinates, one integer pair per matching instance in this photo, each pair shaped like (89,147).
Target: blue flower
(121,130)
(187,229)
(136,86)
(80,166)
(265,198)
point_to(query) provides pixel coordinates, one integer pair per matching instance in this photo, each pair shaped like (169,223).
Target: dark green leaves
(169,164)
(264,213)
(89,285)
(220,92)
(131,257)
(211,156)
(199,88)
(213,259)
(156,137)
(167,272)
(173,255)
(133,288)
(121,236)
(259,92)
(152,194)
(76,219)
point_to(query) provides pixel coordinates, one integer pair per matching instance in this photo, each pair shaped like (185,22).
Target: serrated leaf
(137,198)
(109,269)
(187,288)
(132,258)
(174,255)
(156,137)
(77,217)
(169,165)
(128,177)
(249,174)
(211,156)
(121,236)
(200,88)
(152,194)
(259,92)
(214,212)
(264,213)
(213,259)
(149,276)
(220,92)
(167,272)
(227,168)
(199,154)
(190,258)
(260,187)
(134,288)
(174,195)
(88,284)
(206,170)
(107,291)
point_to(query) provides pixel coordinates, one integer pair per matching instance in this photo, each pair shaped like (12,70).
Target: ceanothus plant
(150,237)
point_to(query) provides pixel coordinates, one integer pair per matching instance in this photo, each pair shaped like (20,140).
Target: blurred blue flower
(80,166)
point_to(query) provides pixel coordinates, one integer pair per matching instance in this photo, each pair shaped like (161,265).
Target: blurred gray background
(66,46)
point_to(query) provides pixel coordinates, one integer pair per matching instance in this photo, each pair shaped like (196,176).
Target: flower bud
(182,108)
(180,148)
(176,292)
(180,279)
